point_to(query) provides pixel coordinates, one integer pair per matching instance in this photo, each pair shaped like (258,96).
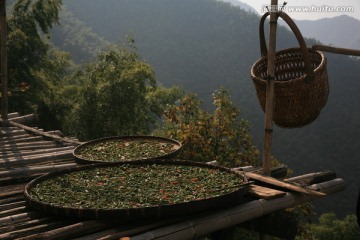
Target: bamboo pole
(34,170)
(15,136)
(7,191)
(3,63)
(8,206)
(131,229)
(17,210)
(18,140)
(24,224)
(21,216)
(80,228)
(56,132)
(13,115)
(26,119)
(15,149)
(23,232)
(344,51)
(37,159)
(10,132)
(28,146)
(277,183)
(42,133)
(199,226)
(15,144)
(269,107)
(34,152)
(20,135)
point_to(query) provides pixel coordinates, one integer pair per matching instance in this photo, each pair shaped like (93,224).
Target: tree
(117,97)
(329,227)
(36,69)
(222,136)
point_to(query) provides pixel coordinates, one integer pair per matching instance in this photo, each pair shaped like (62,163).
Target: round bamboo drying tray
(152,212)
(161,140)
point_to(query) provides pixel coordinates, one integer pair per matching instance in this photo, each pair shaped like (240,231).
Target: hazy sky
(318,8)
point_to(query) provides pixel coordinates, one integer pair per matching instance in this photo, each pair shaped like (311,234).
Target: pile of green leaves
(134,186)
(126,149)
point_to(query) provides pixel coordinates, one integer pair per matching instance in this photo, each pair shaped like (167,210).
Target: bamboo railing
(27,152)
(40,133)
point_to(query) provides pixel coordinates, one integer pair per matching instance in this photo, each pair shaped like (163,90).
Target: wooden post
(269,107)
(270,89)
(3,61)
(358,209)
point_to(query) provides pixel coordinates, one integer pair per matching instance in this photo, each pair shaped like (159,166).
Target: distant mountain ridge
(74,36)
(340,31)
(240,4)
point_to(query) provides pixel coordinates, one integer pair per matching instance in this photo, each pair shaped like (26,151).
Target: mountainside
(242,5)
(341,31)
(74,36)
(204,44)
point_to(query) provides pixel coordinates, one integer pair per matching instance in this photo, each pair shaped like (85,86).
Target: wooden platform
(27,152)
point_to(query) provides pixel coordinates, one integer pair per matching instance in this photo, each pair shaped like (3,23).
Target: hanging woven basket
(301,85)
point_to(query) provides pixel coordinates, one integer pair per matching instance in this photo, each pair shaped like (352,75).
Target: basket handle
(310,75)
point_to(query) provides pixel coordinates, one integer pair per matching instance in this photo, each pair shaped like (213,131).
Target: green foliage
(117,96)
(220,136)
(160,99)
(329,227)
(35,68)
(34,13)
(233,233)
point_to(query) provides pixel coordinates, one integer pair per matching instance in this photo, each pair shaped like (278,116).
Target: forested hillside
(241,5)
(341,31)
(76,37)
(204,44)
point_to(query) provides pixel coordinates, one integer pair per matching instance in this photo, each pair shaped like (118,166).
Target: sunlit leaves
(221,136)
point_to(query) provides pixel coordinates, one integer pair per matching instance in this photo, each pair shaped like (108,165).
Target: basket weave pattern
(297,100)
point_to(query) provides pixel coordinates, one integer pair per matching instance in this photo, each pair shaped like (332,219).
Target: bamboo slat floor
(27,152)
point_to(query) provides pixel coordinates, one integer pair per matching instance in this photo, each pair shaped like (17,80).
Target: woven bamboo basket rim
(319,66)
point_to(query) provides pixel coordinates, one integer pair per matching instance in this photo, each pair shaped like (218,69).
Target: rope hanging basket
(301,85)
